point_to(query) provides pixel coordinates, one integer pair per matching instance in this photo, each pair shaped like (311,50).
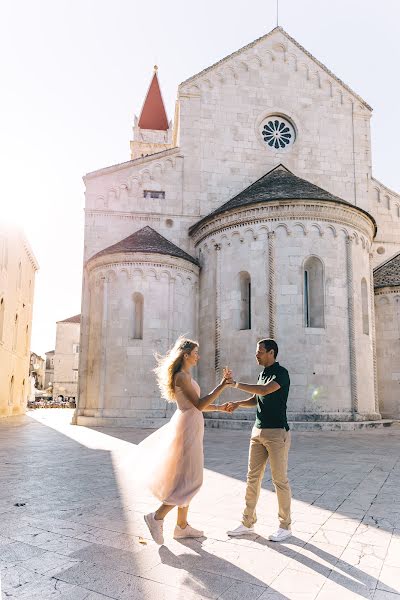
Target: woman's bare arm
(184,381)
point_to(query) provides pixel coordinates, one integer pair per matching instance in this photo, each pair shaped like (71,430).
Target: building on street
(18,267)
(66,358)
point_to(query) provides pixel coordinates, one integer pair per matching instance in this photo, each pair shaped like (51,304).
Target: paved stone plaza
(80,533)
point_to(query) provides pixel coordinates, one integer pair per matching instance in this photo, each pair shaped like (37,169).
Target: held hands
(229,407)
(227,379)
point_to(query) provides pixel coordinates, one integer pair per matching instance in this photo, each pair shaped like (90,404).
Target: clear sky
(74,73)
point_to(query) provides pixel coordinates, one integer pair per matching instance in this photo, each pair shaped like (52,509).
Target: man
(270,439)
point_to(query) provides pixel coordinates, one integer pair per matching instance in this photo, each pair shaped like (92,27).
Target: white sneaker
(155,527)
(241,530)
(280,535)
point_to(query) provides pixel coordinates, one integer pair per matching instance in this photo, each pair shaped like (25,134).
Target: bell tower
(151,131)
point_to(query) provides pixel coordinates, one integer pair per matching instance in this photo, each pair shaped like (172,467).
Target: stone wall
(222,108)
(327,364)
(17,281)
(116,378)
(66,360)
(387,303)
(385,208)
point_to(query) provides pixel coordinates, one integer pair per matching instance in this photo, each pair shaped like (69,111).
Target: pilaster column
(218,267)
(171,304)
(103,353)
(271,294)
(352,335)
(373,332)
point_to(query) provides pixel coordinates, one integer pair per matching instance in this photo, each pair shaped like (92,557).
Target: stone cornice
(384,291)
(290,210)
(295,43)
(30,254)
(140,260)
(385,188)
(131,163)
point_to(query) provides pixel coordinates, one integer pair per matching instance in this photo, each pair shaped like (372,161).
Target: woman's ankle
(182,525)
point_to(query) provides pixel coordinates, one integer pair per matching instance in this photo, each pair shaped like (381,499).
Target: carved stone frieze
(323,212)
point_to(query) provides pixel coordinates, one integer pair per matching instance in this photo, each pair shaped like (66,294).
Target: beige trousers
(272,444)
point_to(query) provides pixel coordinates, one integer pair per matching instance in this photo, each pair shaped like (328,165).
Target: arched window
(364,306)
(313,292)
(2,309)
(11,391)
(245,300)
(137,316)
(23,392)
(15,336)
(27,339)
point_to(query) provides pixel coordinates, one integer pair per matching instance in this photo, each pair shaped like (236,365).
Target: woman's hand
(227,378)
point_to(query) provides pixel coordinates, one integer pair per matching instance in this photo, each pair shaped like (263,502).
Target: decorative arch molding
(388,292)
(265,54)
(286,229)
(317,228)
(141,269)
(298,226)
(236,235)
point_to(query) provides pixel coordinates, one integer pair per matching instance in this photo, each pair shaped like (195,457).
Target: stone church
(254,213)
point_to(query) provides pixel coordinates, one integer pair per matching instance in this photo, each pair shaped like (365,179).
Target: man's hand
(232,406)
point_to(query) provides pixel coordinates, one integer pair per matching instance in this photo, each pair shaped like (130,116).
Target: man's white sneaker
(280,535)
(241,530)
(155,527)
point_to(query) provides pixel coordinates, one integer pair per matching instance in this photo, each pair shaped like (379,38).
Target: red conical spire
(153,115)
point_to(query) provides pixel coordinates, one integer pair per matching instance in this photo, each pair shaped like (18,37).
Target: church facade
(253,214)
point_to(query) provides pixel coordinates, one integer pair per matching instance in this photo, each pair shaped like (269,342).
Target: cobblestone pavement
(80,535)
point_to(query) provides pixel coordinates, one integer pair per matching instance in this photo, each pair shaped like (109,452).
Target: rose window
(278,133)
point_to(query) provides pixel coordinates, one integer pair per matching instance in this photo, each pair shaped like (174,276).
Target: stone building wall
(385,208)
(387,303)
(66,360)
(116,378)
(18,267)
(327,364)
(222,109)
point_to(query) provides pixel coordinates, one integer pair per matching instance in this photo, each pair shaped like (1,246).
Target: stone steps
(245,424)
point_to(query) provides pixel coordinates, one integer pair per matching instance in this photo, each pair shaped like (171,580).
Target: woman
(174,454)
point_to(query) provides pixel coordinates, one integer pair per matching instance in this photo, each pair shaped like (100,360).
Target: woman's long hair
(170,364)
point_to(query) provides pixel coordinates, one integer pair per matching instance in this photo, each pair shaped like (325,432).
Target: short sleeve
(282,378)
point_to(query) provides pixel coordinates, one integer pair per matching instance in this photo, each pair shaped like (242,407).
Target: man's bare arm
(261,390)
(249,403)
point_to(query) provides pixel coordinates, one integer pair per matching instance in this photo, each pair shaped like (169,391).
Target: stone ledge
(152,423)
(304,425)
(234,424)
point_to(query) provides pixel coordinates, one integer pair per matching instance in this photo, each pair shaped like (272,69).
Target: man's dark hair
(270,344)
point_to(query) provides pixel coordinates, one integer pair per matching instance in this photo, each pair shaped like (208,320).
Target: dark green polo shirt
(271,409)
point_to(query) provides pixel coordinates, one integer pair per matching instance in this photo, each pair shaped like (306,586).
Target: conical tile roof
(388,274)
(146,240)
(153,115)
(277,184)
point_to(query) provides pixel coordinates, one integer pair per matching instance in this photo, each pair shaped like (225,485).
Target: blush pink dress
(173,455)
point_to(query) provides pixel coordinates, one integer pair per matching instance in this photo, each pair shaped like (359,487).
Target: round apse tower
(288,260)
(139,295)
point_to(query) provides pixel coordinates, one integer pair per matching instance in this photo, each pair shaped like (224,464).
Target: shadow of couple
(206,572)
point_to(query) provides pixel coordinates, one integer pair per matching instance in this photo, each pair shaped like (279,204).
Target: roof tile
(388,274)
(146,240)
